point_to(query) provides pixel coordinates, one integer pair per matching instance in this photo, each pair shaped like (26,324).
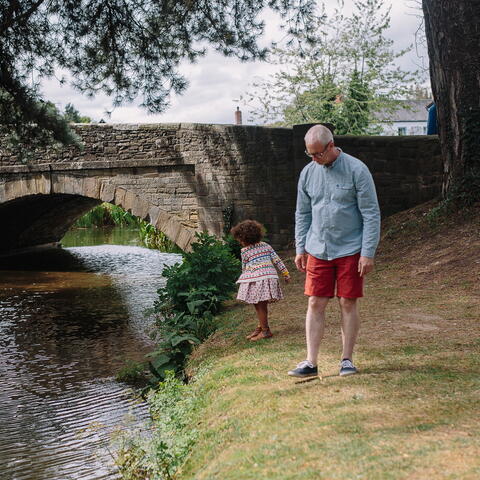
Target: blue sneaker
(304,369)
(347,367)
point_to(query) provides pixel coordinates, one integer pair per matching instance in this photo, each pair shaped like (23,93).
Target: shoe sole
(299,375)
(346,374)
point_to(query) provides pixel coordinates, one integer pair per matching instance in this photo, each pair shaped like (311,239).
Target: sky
(216,82)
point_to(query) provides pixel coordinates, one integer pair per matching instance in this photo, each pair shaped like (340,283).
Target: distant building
(411,119)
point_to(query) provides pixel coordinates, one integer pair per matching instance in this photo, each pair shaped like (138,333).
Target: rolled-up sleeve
(370,212)
(303,216)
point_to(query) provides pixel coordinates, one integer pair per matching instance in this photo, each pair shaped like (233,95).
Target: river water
(69,319)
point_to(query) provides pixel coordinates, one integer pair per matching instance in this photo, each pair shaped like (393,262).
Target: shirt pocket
(344,192)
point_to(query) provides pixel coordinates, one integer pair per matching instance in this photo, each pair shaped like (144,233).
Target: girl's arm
(277,261)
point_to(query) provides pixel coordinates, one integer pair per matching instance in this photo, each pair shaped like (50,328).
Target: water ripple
(68,321)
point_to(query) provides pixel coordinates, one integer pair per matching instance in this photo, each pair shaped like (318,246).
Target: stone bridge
(184,178)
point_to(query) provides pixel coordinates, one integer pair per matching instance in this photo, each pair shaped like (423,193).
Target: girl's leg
(262,314)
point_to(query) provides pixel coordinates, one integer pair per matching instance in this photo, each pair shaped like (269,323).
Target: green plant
(193,293)
(131,372)
(105,215)
(233,245)
(173,406)
(153,238)
(209,267)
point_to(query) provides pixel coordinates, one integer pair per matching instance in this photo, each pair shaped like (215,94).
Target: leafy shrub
(187,303)
(233,245)
(208,273)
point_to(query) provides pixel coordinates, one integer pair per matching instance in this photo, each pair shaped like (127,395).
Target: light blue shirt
(337,210)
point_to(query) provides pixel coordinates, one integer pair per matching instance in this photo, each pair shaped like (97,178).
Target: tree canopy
(127,49)
(344,77)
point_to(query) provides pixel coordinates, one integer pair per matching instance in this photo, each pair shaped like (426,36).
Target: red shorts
(322,275)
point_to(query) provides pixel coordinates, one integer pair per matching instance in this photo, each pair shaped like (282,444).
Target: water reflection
(83,237)
(68,321)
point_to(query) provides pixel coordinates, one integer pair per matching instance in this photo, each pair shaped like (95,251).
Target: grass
(411,413)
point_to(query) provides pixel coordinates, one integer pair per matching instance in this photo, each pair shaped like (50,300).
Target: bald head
(318,134)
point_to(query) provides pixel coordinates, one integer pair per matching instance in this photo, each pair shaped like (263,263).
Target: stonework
(183,177)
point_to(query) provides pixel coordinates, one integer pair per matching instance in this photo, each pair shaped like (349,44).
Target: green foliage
(71,114)
(173,406)
(344,77)
(123,49)
(105,215)
(132,372)
(234,247)
(186,305)
(153,238)
(27,120)
(356,114)
(228,239)
(208,270)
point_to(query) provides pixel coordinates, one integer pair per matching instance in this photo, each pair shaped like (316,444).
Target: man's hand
(301,261)
(365,265)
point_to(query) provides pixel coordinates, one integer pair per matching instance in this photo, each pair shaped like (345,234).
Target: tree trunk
(453,37)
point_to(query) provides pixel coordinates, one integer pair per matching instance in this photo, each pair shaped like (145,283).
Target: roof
(410,111)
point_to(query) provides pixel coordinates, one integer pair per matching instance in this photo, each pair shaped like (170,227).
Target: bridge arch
(38,209)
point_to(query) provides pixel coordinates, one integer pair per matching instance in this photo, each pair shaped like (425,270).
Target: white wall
(411,128)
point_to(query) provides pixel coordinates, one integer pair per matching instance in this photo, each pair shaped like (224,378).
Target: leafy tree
(356,113)
(124,48)
(344,77)
(453,38)
(71,114)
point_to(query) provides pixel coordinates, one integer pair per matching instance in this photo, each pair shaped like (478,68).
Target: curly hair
(248,232)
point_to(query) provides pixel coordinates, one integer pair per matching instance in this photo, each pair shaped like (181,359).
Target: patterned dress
(259,279)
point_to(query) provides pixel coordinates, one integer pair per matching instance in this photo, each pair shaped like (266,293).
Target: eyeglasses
(318,155)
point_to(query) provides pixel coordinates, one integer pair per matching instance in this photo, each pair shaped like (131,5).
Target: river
(69,319)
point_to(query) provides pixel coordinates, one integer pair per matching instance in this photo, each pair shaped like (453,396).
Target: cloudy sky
(215,82)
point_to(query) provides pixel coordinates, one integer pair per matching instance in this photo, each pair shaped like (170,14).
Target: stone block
(91,187)
(129,201)
(141,208)
(107,192)
(119,198)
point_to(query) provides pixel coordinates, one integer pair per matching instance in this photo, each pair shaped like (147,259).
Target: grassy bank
(411,413)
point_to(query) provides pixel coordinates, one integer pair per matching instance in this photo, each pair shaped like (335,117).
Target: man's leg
(320,287)
(315,326)
(350,325)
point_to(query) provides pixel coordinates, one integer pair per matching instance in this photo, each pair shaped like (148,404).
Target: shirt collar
(332,165)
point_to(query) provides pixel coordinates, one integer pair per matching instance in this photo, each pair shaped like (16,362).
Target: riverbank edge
(410,413)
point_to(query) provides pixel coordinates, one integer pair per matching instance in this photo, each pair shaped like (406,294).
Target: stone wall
(407,170)
(192,172)
(184,177)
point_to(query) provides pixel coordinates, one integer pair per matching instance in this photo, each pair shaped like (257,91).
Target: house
(409,119)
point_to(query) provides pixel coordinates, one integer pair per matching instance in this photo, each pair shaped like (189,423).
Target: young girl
(259,283)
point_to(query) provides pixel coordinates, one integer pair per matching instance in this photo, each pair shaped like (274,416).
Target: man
(337,229)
